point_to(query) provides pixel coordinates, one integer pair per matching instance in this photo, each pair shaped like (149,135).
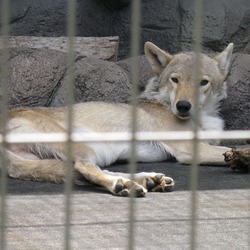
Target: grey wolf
(167,104)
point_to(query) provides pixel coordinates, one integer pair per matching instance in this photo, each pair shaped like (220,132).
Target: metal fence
(133,137)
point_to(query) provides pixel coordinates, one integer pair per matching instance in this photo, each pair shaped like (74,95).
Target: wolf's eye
(204,82)
(175,80)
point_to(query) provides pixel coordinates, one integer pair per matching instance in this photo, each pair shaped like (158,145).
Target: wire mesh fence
(133,137)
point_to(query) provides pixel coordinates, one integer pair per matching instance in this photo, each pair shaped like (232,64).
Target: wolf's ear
(224,59)
(157,58)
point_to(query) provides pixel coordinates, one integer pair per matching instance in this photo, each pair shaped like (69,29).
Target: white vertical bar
(198,21)
(249,220)
(70,100)
(249,216)
(4,76)
(135,42)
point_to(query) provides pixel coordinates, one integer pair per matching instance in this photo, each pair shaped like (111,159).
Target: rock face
(224,22)
(145,70)
(95,80)
(39,77)
(116,4)
(38,18)
(34,76)
(236,108)
(167,23)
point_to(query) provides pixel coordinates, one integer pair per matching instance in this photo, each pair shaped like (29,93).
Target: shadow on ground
(210,178)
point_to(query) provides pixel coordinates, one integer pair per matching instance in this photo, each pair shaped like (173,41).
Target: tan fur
(157,111)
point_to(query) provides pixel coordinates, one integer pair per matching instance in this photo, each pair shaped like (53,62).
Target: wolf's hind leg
(117,185)
(49,170)
(153,182)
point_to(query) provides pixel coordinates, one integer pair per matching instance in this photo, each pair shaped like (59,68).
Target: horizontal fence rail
(124,136)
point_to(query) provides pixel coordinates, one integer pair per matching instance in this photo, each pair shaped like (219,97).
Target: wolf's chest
(108,153)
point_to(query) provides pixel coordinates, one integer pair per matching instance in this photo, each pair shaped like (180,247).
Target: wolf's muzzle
(183,107)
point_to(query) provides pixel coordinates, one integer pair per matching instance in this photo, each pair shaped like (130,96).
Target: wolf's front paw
(126,187)
(158,183)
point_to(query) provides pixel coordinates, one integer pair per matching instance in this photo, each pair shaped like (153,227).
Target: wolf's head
(175,82)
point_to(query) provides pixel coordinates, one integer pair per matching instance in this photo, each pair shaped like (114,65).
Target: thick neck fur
(152,93)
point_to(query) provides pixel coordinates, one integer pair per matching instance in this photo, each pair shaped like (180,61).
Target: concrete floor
(36,214)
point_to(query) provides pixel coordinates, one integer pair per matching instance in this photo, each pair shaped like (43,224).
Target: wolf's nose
(183,106)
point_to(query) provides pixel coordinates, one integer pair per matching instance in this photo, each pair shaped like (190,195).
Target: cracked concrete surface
(36,213)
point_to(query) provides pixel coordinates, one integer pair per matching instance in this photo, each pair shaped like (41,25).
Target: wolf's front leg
(207,154)
(153,182)
(117,185)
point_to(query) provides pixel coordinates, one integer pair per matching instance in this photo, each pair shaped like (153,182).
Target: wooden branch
(238,159)
(105,48)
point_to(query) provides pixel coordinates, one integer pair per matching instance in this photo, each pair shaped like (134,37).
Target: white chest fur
(109,152)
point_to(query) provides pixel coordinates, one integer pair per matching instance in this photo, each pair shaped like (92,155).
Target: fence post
(197,36)
(4,79)
(135,43)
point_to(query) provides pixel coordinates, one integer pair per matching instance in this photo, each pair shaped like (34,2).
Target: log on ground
(105,48)
(238,159)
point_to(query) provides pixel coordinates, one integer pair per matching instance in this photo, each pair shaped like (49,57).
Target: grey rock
(19,12)
(95,80)
(162,23)
(116,4)
(145,70)
(224,22)
(167,23)
(236,108)
(93,19)
(38,18)
(34,76)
